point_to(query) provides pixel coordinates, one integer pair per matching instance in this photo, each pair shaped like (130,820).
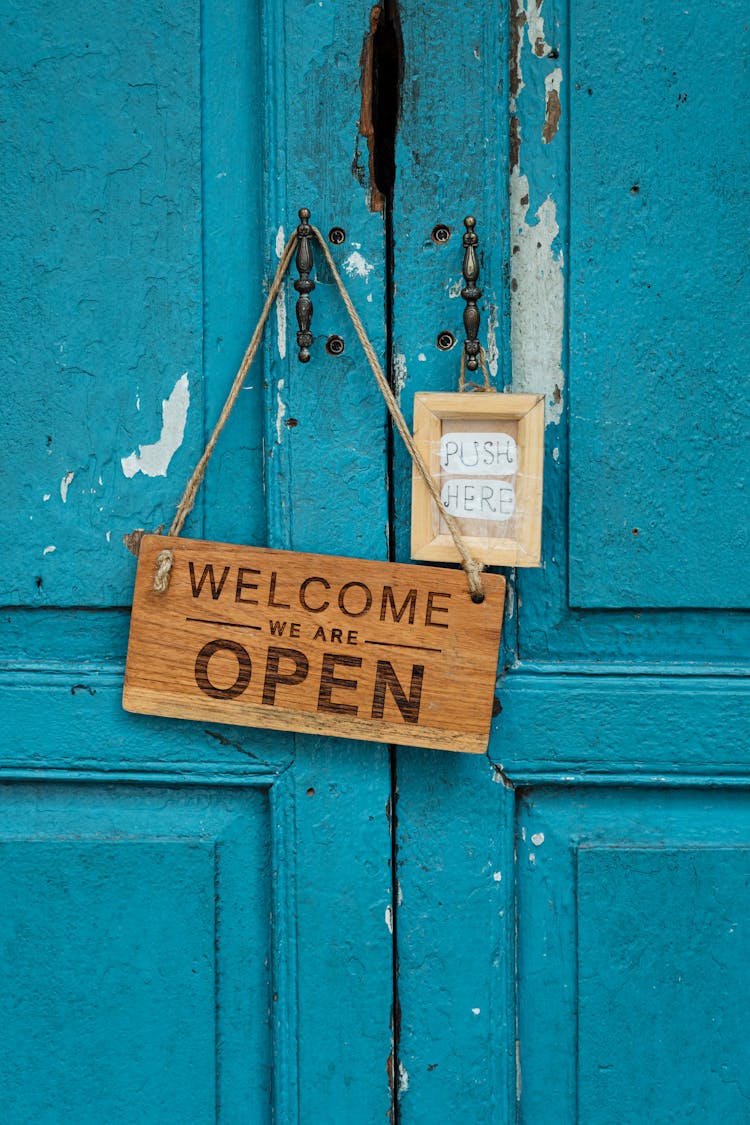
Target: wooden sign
(486,452)
(330,646)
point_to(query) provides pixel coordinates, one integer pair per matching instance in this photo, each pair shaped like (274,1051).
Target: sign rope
(165,558)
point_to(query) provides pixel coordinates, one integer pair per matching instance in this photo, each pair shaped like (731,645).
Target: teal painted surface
(659,291)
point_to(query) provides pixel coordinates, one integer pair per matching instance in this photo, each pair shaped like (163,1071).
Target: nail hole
(337,235)
(335,345)
(291,423)
(440,234)
(445,341)
(311,792)
(635,531)
(477,598)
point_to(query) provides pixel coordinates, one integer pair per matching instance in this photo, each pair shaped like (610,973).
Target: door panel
(659,512)
(633,945)
(129,914)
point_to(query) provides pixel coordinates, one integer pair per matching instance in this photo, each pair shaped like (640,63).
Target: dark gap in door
(387,74)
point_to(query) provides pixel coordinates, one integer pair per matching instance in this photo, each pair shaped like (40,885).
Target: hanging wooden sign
(486,453)
(333,646)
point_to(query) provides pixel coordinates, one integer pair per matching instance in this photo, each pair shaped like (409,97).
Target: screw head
(335,345)
(337,235)
(445,340)
(440,234)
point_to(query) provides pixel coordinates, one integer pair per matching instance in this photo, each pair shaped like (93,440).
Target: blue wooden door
(574,909)
(195,921)
(200,923)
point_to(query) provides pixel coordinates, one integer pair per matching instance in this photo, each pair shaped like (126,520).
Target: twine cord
(468,562)
(165,558)
(462,384)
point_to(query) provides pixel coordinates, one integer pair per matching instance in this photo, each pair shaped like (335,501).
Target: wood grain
(314,643)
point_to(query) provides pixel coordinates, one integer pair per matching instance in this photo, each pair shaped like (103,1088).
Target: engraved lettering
(328,682)
(208,572)
(274,676)
(385,677)
(244,669)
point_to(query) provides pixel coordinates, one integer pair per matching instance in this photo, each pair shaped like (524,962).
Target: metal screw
(441,233)
(337,235)
(335,345)
(445,341)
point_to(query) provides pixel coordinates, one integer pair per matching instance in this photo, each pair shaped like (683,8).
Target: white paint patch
(369,298)
(138,402)
(511,601)
(497,876)
(537,839)
(422,357)
(356,266)
(281,300)
(536,303)
(492,352)
(280,410)
(556,456)
(389,918)
(108,536)
(403,1078)
(553,81)
(399,373)
(48,550)
(153,460)
(454,289)
(476,1011)
(535,28)
(65,484)
(47,496)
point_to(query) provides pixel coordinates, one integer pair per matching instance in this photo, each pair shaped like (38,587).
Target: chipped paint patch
(510,602)
(65,484)
(389,918)
(49,550)
(153,460)
(47,496)
(552,107)
(492,351)
(399,373)
(556,454)
(403,1079)
(535,27)
(537,839)
(497,876)
(422,357)
(356,266)
(454,289)
(476,1011)
(281,300)
(536,301)
(280,410)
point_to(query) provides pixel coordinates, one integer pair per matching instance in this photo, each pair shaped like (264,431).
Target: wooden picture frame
(501,480)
